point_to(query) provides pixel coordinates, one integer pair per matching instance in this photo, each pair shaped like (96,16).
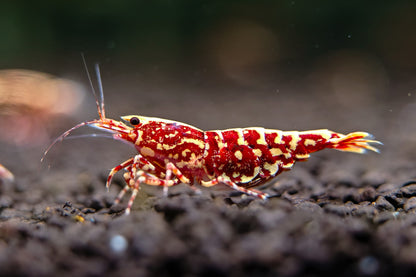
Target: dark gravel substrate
(348,231)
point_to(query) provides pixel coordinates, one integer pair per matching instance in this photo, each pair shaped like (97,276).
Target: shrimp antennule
(99,101)
(66,133)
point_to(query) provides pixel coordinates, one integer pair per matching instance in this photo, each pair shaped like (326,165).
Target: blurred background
(49,34)
(343,65)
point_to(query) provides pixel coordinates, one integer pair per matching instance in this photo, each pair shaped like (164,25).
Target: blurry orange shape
(5,174)
(30,100)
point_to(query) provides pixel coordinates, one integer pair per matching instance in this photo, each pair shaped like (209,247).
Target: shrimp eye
(134,121)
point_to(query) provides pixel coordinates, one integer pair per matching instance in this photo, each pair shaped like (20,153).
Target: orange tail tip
(357,142)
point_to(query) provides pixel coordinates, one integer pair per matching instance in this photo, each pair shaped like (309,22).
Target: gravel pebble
(383,205)
(385,216)
(410,204)
(409,191)
(396,200)
(387,188)
(341,210)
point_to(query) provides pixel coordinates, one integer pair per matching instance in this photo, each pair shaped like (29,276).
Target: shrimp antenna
(65,134)
(98,101)
(100,89)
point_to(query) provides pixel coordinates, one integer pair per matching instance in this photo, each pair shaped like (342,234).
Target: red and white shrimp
(171,152)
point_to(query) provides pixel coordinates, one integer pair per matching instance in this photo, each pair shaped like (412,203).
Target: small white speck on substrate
(118,244)
(369,265)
